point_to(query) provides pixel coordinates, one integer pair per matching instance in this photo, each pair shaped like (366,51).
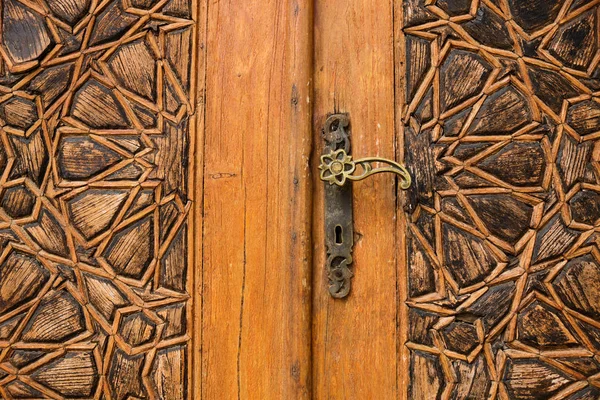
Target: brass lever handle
(337,167)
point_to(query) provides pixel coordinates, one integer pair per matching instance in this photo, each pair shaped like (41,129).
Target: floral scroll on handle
(337,169)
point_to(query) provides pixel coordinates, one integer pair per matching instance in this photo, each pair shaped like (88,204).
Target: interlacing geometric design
(96,114)
(502,123)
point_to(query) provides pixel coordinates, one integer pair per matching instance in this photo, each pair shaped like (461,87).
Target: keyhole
(338,235)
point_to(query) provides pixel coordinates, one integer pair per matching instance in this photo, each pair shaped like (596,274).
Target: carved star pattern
(95,104)
(502,135)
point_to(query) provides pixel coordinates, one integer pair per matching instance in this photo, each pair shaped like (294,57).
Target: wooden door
(154,199)
(161,221)
(482,280)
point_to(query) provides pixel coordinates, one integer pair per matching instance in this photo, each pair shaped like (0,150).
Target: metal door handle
(337,169)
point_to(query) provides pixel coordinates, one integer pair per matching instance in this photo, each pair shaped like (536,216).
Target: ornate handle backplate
(338,170)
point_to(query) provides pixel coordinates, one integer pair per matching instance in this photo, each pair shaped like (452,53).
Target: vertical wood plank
(197,170)
(402,321)
(354,340)
(257,204)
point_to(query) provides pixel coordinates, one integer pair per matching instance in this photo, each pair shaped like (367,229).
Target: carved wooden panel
(502,133)
(96,129)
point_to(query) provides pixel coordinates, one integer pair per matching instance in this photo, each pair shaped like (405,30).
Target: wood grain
(256,233)
(157,232)
(498,104)
(98,124)
(354,340)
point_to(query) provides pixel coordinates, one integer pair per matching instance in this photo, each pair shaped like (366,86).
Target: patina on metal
(337,169)
(339,233)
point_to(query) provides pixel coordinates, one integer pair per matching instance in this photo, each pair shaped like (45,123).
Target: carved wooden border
(102,94)
(500,129)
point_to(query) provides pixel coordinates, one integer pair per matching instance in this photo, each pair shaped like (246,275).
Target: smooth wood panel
(197,189)
(257,209)
(402,322)
(354,340)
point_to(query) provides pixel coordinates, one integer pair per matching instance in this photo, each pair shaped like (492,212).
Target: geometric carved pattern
(502,128)
(96,99)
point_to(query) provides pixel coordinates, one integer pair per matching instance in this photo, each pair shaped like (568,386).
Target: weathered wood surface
(97,127)
(501,121)
(111,189)
(256,287)
(354,340)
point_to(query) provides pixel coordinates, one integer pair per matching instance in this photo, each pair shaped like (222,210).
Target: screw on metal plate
(337,169)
